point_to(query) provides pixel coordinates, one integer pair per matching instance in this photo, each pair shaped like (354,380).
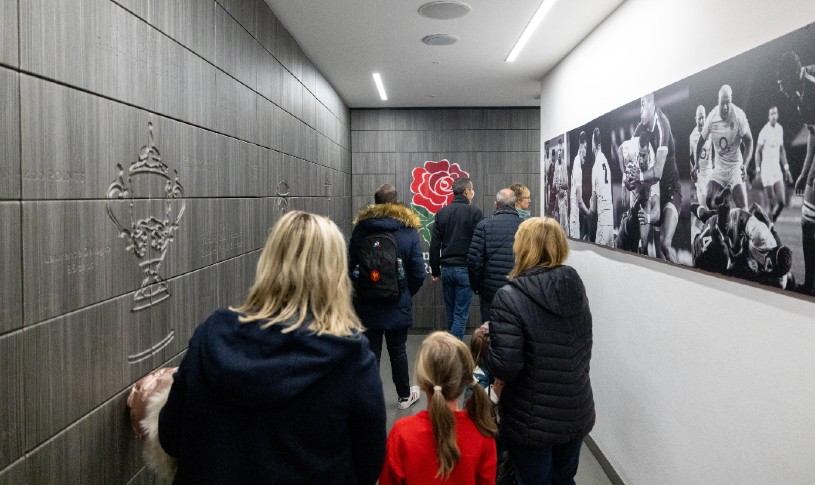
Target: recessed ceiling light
(444,10)
(543,9)
(380,86)
(432,95)
(440,39)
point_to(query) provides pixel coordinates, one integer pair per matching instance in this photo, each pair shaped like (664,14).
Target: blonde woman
(284,388)
(522,200)
(540,346)
(444,445)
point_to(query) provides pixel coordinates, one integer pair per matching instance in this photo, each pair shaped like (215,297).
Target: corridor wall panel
(11,311)
(148,147)
(496,147)
(10,135)
(8,32)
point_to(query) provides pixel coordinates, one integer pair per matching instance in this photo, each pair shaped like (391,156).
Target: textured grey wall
(497,147)
(225,97)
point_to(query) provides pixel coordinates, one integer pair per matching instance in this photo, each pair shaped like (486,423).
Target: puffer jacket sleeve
(506,357)
(435,247)
(415,269)
(353,249)
(476,257)
(171,416)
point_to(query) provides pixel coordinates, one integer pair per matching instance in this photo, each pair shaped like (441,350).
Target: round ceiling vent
(444,10)
(440,39)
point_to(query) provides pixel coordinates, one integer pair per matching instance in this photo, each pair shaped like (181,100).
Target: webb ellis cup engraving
(147,235)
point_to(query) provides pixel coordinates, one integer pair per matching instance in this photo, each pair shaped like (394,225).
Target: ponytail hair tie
(437,388)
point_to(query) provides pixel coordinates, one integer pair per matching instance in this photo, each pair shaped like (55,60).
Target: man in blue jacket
(391,319)
(490,258)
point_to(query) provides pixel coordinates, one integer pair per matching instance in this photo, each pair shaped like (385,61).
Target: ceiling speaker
(440,39)
(444,10)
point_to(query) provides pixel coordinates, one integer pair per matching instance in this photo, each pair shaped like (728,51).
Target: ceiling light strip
(380,86)
(543,9)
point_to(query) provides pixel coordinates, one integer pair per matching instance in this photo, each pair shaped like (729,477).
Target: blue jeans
(455,282)
(556,465)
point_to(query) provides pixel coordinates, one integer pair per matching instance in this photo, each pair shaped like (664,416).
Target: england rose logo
(432,189)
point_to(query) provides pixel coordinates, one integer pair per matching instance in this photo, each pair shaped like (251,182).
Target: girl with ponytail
(444,445)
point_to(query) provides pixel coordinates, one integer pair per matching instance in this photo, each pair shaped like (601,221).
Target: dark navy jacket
(490,258)
(540,346)
(402,222)
(251,405)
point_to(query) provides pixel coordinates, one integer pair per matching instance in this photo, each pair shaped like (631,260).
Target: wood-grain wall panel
(11,280)
(8,32)
(189,22)
(446,119)
(73,248)
(10,134)
(446,141)
(74,362)
(12,407)
(236,51)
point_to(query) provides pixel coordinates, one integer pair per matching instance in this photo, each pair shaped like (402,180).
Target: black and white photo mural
(714,171)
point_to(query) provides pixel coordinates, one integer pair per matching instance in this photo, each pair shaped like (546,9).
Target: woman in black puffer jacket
(540,346)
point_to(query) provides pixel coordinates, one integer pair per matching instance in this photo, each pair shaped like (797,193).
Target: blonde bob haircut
(539,243)
(302,277)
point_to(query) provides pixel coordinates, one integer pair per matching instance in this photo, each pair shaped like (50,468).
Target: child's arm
(392,470)
(487,466)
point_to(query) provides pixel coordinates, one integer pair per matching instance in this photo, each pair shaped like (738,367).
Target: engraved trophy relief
(282,196)
(147,235)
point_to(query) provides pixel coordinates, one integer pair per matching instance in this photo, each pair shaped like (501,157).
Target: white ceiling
(349,39)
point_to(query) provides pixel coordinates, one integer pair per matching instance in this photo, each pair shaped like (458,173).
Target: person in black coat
(285,388)
(450,239)
(490,258)
(391,320)
(540,346)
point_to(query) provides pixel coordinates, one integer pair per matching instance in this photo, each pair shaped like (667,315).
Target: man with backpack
(387,269)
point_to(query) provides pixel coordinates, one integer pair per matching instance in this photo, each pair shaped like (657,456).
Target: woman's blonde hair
(444,368)
(540,242)
(302,276)
(520,190)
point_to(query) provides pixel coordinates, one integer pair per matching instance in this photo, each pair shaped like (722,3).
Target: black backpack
(379,276)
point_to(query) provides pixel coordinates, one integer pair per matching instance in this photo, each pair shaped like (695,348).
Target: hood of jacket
(559,290)
(266,368)
(387,216)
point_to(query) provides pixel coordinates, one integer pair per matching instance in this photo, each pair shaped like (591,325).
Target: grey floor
(588,473)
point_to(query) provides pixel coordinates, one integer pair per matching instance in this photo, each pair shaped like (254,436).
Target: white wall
(697,379)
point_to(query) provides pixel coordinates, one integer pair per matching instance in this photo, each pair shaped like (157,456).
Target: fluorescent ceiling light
(542,10)
(380,86)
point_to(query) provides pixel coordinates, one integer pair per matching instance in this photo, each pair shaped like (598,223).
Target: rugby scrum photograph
(714,171)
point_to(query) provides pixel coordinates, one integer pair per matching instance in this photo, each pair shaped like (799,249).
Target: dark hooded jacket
(540,345)
(403,223)
(490,258)
(251,405)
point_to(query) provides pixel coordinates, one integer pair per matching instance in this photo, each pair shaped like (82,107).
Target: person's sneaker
(405,402)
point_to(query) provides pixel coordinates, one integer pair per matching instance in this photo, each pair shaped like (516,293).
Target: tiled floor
(588,473)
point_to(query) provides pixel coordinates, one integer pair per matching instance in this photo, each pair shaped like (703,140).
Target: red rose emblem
(432,185)
(375,276)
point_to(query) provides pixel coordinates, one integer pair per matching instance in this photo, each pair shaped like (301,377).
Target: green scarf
(524,214)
